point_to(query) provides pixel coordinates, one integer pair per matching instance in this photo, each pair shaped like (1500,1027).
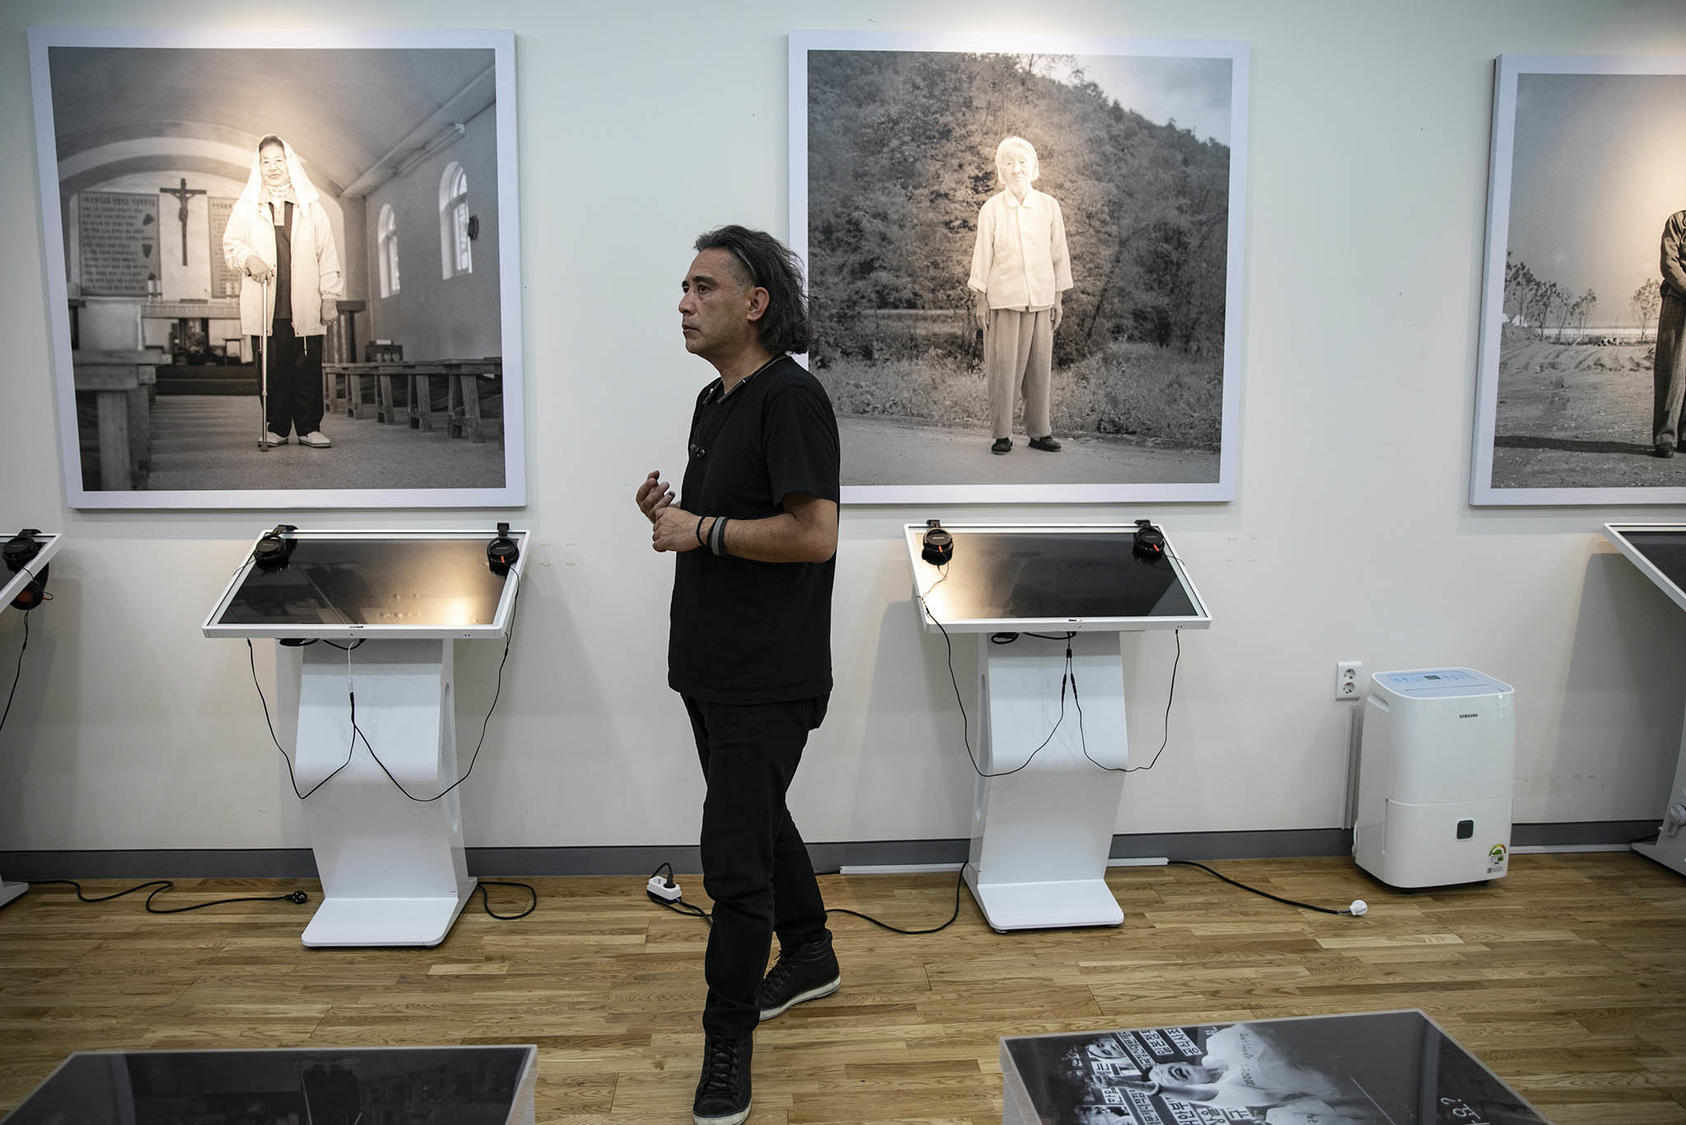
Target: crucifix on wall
(182,193)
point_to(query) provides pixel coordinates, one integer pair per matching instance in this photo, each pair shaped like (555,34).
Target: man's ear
(759,299)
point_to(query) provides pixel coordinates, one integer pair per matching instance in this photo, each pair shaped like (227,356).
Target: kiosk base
(9,891)
(391,860)
(385,921)
(1042,824)
(1670,850)
(1036,906)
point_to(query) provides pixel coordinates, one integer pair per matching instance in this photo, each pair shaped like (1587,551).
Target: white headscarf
(255,191)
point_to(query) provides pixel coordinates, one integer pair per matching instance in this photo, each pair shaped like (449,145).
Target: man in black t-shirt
(749,649)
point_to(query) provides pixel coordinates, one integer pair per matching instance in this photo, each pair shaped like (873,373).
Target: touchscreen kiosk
(376,616)
(1050,742)
(1659,551)
(34,550)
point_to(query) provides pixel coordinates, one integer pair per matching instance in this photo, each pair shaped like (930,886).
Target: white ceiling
(343,111)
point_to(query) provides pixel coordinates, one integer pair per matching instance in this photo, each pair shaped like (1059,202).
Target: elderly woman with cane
(279,239)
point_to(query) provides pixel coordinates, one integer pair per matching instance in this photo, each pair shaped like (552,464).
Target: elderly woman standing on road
(1020,272)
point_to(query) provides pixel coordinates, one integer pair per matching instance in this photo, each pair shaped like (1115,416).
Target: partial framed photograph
(1024,262)
(1582,368)
(282,266)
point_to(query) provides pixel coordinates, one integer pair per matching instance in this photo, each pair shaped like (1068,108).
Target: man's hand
(1059,310)
(330,309)
(675,530)
(258,268)
(653,496)
(980,310)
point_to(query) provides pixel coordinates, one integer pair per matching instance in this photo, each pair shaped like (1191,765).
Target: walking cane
(263,367)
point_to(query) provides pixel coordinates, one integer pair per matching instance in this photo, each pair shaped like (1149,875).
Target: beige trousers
(1019,359)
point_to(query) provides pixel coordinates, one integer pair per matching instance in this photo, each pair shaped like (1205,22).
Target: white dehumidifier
(1435,774)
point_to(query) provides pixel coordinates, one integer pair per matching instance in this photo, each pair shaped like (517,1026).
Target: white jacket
(316,263)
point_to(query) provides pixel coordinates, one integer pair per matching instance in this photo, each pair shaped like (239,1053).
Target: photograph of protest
(1582,367)
(282,270)
(1024,262)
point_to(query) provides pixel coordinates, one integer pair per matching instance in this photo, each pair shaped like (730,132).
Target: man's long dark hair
(768,264)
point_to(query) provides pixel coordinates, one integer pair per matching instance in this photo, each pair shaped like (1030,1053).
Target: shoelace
(720,1066)
(780,973)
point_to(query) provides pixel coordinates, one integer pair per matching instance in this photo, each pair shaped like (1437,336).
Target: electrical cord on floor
(678,905)
(162,885)
(1358,907)
(486,899)
(958,879)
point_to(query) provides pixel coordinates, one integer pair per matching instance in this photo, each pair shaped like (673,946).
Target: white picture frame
(891,459)
(1577,200)
(152,117)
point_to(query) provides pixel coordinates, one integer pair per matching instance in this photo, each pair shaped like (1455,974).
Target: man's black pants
(295,380)
(755,865)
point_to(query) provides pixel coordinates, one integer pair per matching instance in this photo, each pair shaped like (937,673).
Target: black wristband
(700,541)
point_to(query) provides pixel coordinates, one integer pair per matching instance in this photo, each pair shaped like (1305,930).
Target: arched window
(455,248)
(386,245)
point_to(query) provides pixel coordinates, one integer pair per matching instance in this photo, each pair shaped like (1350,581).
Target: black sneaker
(723,1090)
(1046,444)
(1002,445)
(807,972)
(1663,448)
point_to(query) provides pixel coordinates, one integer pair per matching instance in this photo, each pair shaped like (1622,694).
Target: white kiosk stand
(1051,750)
(1659,551)
(14,585)
(377,614)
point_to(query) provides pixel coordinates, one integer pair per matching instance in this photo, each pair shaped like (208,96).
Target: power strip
(663,890)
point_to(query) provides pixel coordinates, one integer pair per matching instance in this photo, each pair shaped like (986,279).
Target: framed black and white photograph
(1582,370)
(1024,262)
(282,266)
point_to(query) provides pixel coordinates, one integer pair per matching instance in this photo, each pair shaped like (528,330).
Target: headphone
(502,551)
(1150,541)
(274,548)
(19,549)
(938,549)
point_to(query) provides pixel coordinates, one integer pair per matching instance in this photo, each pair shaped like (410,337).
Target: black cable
(1170,695)
(958,879)
(691,910)
(18,675)
(163,885)
(356,732)
(1255,890)
(965,723)
(486,900)
(292,778)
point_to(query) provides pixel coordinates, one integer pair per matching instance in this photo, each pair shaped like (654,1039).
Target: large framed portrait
(282,267)
(1581,369)
(1024,262)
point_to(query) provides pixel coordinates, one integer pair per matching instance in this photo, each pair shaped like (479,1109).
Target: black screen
(1665,550)
(1050,574)
(426,582)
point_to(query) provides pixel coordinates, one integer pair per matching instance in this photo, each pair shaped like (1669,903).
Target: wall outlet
(1349,679)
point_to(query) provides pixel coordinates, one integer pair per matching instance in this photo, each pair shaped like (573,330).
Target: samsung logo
(1468,715)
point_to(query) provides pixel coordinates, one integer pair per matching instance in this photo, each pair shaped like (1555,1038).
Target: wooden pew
(121,383)
(466,381)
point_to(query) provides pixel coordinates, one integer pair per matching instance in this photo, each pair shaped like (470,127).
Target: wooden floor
(1567,978)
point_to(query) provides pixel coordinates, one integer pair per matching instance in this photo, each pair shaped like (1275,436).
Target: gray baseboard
(298,863)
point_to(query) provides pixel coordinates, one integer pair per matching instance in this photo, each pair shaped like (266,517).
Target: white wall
(643,125)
